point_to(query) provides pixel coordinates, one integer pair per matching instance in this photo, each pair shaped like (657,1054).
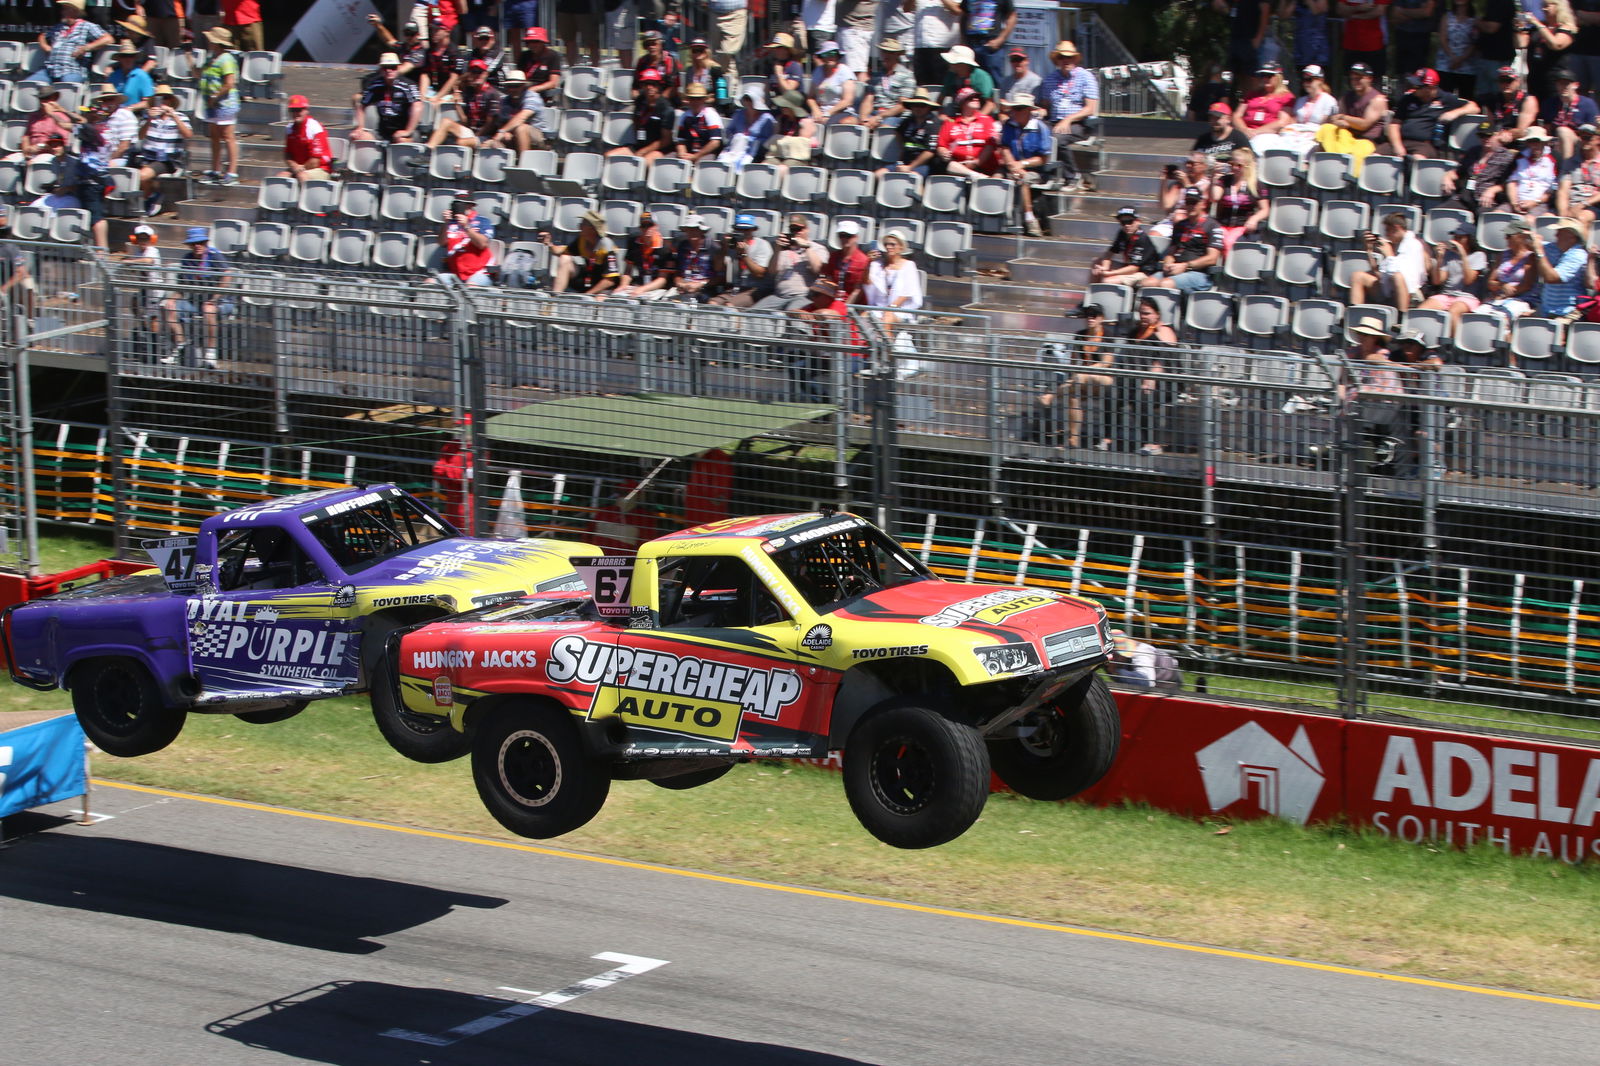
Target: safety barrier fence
(1289,530)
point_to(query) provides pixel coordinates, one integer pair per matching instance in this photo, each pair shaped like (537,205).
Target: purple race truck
(267,608)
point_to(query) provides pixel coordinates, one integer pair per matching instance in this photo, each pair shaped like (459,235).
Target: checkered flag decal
(210,641)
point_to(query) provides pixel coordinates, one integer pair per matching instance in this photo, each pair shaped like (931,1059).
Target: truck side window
(261,559)
(713,592)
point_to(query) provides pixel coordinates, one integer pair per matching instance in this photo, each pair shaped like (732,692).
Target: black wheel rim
(1041,735)
(903,776)
(530,770)
(119,707)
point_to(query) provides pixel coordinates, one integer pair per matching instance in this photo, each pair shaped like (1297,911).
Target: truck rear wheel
(422,738)
(532,772)
(120,708)
(914,778)
(1065,747)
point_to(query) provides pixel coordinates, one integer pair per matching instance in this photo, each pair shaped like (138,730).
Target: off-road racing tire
(120,708)
(532,772)
(1072,744)
(693,779)
(424,738)
(277,714)
(914,778)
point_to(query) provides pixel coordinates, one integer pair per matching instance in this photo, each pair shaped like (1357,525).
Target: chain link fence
(1291,532)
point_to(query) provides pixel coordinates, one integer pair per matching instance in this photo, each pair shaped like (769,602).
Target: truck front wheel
(421,738)
(532,772)
(914,778)
(120,708)
(1063,748)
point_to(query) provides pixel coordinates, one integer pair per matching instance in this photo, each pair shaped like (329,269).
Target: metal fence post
(1353,565)
(116,418)
(468,400)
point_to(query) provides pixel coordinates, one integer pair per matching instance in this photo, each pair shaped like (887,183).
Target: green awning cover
(648,425)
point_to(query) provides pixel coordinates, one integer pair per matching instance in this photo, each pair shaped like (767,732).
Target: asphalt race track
(182,931)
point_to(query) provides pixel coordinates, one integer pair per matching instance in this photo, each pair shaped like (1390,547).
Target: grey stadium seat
(360,200)
(350,247)
(393,250)
(1261,316)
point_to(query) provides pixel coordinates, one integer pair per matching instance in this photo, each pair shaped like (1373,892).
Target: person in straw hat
(1561,266)
(918,134)
(130,78)
(219,95)
(887,86)
(1070,96)
(69,46)
(159,20)
(590,264)
(161,144)
(699,133)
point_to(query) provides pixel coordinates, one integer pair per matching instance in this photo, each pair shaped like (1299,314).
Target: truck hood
(474,572)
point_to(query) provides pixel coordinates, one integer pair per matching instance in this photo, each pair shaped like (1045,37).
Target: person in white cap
(748,130)
(691,270)
(965,73)
(143,258)
(847,263)
(1070,96)
(1026,148)
(1561,266)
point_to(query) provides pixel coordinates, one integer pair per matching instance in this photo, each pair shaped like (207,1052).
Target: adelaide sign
(1421,785)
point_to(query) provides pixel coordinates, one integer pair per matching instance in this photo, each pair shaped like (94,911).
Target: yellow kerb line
(844,897)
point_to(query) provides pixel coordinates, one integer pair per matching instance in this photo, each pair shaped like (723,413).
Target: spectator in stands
(1132,258)
(1026,150)
(411,46)
(887,87)
(1133,662)
(306,151)
(750,258)
(1310,19)
(938,27)
(441,68)
(1533,182)
(827,315)
(1239,201)
(243,20)
(692,269)
(749,130)
(220,101)
(700,70)
(487,51)
(1458,270)
(641,257)
(1315,106)
(159,20)
(1082,391)
(699,133)
(1578,193)
(1070,97)
(1195,250)
(575,23)
(918,134)
(1564,110)
(986,26)
(857,25)
(1248,21)
(69,46)
(658,59)
(1145,402)
(1370,346)
(1217,88)
(477,103)
(465,239)
(1510,106)
(129,78)
(1423,113)
(798,264)
(1547,30)
(847,263)
(730,21)
(1511,286)
(396,102)
(1019,78)
(784,72)
(965,73)
(521,121)
(541,65)
(1584,55)
(1355,130)
(1364,42)
(894,284)
(831,89)
(161,143)
(1457,32)
(590,264)
(141,257)
(62,193)
(1398,263)
(969,144)
(1219,142)
(1559,267)
(205,269)
(621,29)
(1195,173)
(50,121)
(1266,109)
(795,137)
(1411,25)
(1478,182)
(518,17)
(652,118)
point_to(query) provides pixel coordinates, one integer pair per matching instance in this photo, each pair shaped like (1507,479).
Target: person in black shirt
(1222,138)
(1496,41)
(1247,27)
(396,101)
(440,64)
(652,119)
(1510,107)
(918,134)
(1132,258)
(542,65)
(410,46)
(494,59)
(1421,111)
(1196,247)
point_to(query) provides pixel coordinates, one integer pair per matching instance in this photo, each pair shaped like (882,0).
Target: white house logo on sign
(1250,763)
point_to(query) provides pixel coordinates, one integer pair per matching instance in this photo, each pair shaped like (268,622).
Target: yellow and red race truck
(779,636)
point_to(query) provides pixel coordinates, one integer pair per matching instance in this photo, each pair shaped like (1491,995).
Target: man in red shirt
(243,19)
(1364,39)
(847,265)
(828,316)
(468,255)
(306,152)
(970,143)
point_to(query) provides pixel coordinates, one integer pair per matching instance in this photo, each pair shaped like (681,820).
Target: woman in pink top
(1267,109)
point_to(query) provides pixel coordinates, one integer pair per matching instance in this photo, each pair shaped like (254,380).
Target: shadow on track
(341,1023)
(288,904)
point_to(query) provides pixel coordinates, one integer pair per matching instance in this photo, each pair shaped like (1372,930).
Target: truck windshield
(368,535)
(833,569)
